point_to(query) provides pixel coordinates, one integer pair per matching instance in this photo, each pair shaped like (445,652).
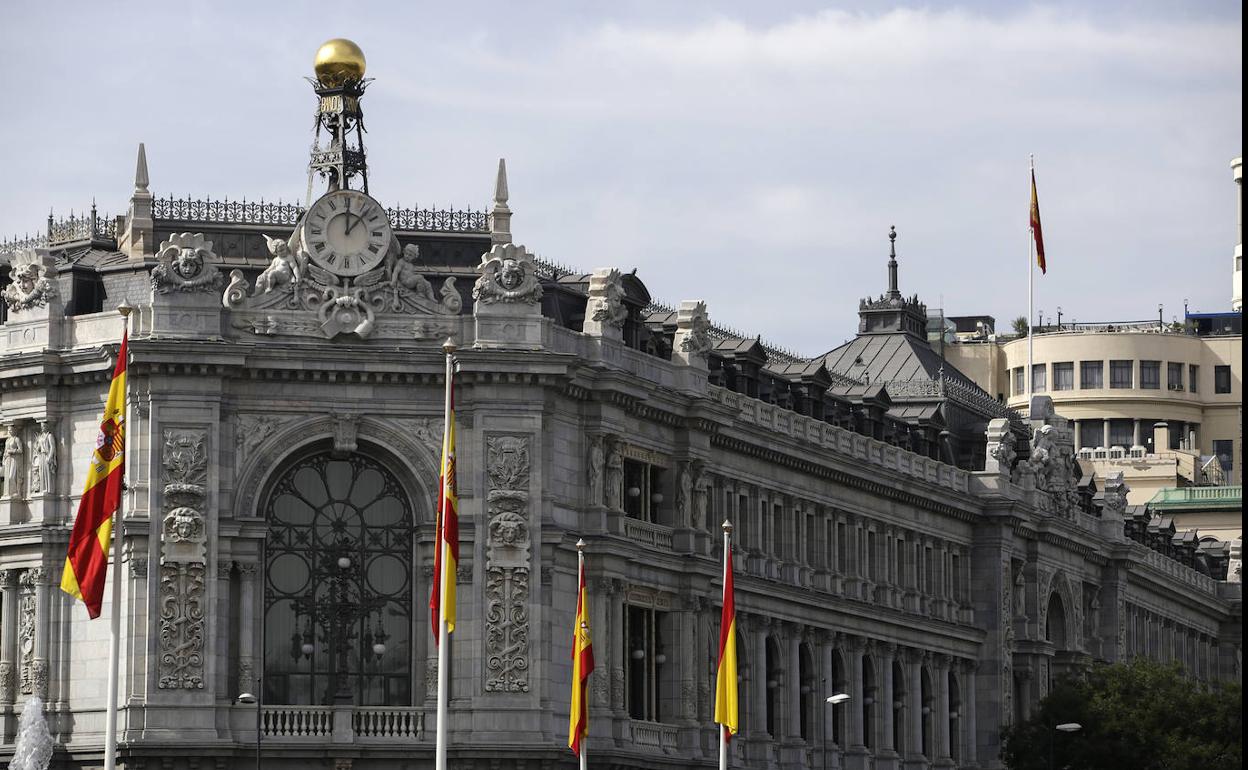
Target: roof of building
(1229,497)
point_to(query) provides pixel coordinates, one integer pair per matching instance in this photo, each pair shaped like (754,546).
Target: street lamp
(1059,318)
(1065,727)
(247,698)
(831,700)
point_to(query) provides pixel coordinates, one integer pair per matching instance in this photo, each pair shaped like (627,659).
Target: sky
(752,155)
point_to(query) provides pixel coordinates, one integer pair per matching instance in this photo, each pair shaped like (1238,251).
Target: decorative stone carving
(252,430)
(183,561)
(27,622)
(596,465)
(33,272)
(1235,565)
(692,341)
(431,679)
(615,475)
(185,263)
(6,681)
(1115,497)
(508,543)
(701,496)
(684,495)
(1000,453)
(508,274)
(14,464)
(297,297)
(426,430)
(43,461)
(346,428)
(605,311)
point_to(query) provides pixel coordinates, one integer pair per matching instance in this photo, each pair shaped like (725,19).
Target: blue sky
(752,155)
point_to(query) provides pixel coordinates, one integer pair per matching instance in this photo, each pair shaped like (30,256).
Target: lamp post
(832,701)
(1065,727)
(1161,321)
(1059,318)
(248,698)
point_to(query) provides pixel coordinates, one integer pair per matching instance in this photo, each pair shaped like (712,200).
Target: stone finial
(140,170)
(1115,496)
(893,290)
(136,236)
(1000,455)
(605,311)
(692,341)
(500,214)
(1235,565)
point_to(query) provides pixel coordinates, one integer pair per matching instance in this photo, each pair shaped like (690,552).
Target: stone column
(39,667)
(618,651)
(884,700)
(248,631)
(940,710)
(8,634)
(853,664)
(758,677)
(1105,433)
(690,657)
(828,712)
(1136,437)
(914,707)
(1078,434)
(968,719)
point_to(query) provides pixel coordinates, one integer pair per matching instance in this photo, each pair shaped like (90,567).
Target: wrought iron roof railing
(263,212)
(91,226)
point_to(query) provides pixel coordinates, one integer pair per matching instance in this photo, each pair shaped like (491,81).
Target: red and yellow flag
(1035,224)
(446,533)
(86,564)
(726,711)
(582,667)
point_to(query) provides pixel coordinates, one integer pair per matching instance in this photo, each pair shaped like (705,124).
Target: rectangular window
(1121,433)
(1038,384)
(1193,376)
(643,492)
(1121,374)
(842,549)
(1221,379)
(1150,375)
(1020,387)
(1091,433)
(648,693)
(1174,376)
(1224,449)
(1091,374)
(1064,375)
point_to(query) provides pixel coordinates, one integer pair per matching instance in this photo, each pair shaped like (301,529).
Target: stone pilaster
(8,635)
(886,752)
(248,628)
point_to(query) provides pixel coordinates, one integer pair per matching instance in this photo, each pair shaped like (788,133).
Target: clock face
(346,232)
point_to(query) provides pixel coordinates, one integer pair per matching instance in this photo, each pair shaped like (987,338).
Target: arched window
(897,704)
(840,683)
(810,695)
(1055,622)
(775,673)
(955,718)
(338,585)
(928,715)
(868,702)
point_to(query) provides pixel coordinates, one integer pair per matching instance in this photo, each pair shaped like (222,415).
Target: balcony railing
(654,535)
(298,721)
(654,735)
(315,723)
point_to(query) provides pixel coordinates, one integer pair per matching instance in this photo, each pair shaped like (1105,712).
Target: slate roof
(889,357)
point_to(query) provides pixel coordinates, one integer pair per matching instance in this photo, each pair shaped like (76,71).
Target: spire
(500,184)
(140,170)
(893,291)
(500,214)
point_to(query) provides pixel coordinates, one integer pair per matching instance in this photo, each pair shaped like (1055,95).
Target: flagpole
(583,754)
(444,639)
(723,731)
(114,630)
(1031,271)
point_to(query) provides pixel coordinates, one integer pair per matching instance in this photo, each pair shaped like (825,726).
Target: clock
(346,232)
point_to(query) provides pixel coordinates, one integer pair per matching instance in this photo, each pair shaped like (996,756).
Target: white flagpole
(580,577)
(1031,270)
(444,637)
(723,731)
(114,630)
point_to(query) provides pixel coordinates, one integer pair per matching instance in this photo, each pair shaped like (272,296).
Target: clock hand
(350,224)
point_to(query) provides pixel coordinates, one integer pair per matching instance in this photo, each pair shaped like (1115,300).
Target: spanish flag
(582,666)
(1035,224)
(86,564)
(446,533)
(726,674)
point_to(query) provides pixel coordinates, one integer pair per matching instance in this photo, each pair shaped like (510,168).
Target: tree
(33,748)
(1139,715)
(1020,326)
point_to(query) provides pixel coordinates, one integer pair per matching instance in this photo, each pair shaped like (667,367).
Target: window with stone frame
(1174,376)
(1091,375)
(644,488)
(1150,375)
(1121,374)
(648,672)
(1064,375)
(1020,386)
(1193,378)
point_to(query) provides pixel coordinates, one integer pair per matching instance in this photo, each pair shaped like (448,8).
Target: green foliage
(1135,716)
(1020,326)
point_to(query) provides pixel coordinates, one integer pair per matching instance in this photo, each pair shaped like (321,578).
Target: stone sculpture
(14,464)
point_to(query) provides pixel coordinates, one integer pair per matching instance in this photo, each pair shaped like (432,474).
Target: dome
(338,61)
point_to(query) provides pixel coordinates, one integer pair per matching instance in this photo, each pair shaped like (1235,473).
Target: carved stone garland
(29,667)
(183,561)
(507,565)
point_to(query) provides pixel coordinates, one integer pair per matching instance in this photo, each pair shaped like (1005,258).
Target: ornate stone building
(902,537)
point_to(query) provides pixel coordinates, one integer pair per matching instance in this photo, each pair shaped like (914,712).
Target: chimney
(1161,437)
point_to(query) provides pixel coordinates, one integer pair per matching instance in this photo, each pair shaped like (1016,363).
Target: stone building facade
(284,430)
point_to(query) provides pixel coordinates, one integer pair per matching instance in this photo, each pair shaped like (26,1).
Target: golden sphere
(338,61)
